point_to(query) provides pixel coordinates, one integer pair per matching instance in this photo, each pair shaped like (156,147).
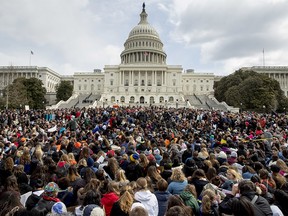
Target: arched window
(113,99)
(161,99)
(122,99)
(171,99)
(132,99)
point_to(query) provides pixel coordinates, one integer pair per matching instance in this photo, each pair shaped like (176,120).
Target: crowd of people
(144,161)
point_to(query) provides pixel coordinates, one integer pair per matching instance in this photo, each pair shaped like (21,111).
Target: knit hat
(233,154)
(50,188)
(134,157)
(77,145)
(111,153)
(222,155)
(150,157)
(93,210)
(58,208)
(90,162)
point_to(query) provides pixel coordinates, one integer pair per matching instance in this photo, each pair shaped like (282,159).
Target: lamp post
(264,108)
(241,107)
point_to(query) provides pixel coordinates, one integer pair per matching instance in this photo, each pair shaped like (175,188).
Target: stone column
(139,81)
(146,78)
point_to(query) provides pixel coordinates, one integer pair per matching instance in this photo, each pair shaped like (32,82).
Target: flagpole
(31,53)
(263,58)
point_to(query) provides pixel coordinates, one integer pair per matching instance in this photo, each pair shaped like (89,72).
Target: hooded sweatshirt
(149,200)
(108,200)
(162,197)
(190,200)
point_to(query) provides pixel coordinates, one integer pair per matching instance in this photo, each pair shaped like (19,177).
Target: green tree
(26,92)
(35,93)
(17,93)
(253,90)
(64,91)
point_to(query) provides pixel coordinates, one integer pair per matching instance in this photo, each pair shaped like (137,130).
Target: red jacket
(108,200)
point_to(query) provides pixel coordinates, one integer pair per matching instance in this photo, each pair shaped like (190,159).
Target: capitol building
(143,78)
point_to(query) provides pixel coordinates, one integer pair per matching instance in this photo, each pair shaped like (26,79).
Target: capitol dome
(143,44)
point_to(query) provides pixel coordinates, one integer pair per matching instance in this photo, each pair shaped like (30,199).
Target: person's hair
(64,157)
(72,173)
(25,157)
(216,180)
(120,175)
(177,175)
(63,183)
(93,184)
(234,173)
(92,197)
(175,200)
(279,179)
(11,184)
(9,200)
(264,175)
(162,185)
(85,153)
(249,169)
(38,153)
(207,199)
(175,211)
(246,186)
(113,187)
(138,211)
(143,161)
(152,173)
(211,172)
(242,206)
(9,164)
(198,173)
(255,178)
(88,175)
(282,165)
(82,162)
(133,185)
(71,156)
(126,199)
(113,164)
(191,189)
(17,170)
(141,183)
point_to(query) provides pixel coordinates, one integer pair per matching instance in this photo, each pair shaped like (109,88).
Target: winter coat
(149,200)
(162,198)
(261,206)
(177,187)
(199,185)
(190,200)
(117,211)
(133,171)
(108,200)
(33,199)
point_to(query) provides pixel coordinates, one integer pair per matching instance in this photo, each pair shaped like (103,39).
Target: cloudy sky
(81,35)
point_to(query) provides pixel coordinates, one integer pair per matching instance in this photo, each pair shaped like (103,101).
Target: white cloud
(72,35)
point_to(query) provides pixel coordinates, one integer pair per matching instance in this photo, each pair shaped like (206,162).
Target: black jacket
(261,206)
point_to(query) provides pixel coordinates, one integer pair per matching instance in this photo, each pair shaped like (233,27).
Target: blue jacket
(162,197)
(177,187)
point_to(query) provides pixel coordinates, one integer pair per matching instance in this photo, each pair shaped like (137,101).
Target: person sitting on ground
(145,197)
(247,190)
